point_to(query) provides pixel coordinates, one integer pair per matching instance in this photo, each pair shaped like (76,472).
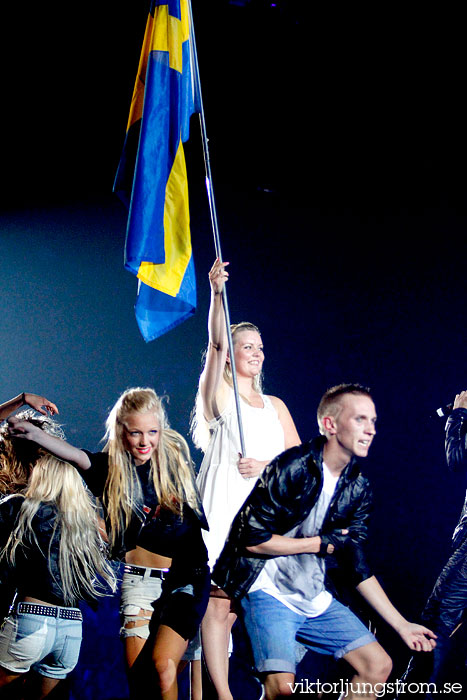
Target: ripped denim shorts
(138,592)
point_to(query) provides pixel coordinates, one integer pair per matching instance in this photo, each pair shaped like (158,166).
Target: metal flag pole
(215,227)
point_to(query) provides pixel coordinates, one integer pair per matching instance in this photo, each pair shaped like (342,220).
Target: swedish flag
(152,176)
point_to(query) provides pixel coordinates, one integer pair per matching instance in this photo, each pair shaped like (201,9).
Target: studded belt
(141,571)
(49,611)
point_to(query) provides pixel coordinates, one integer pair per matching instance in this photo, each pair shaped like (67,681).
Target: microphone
(443,411)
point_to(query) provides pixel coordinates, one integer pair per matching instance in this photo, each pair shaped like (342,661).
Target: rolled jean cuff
(356,644)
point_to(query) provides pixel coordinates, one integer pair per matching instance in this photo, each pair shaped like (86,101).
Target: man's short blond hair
(331,401)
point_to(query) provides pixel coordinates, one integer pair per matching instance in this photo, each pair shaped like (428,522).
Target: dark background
(338,149)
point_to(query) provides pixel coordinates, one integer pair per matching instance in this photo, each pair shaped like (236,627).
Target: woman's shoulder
(291,435)
(278,404)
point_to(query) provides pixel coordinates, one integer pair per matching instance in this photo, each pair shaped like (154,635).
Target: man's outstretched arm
(417,637)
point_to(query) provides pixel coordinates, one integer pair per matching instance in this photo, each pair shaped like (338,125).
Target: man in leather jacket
(312,500)
(446,607)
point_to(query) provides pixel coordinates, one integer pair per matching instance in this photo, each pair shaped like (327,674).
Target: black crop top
(152,527)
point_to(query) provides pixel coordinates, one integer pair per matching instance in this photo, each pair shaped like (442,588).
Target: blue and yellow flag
(152,177)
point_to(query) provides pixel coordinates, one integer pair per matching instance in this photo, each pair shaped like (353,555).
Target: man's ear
(329,425)
(227,358)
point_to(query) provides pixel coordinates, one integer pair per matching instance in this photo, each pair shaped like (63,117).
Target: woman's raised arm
(38,403)
(25,430)
(212,385)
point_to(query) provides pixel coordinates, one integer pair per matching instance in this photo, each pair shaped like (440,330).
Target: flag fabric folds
(152,178)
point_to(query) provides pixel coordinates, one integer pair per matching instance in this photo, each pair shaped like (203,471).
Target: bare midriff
(142,557)
(30,599)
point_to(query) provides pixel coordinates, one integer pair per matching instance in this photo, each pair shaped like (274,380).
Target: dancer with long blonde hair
(153,518)
(53,555)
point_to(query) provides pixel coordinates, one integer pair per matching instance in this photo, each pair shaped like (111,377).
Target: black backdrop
(338,150)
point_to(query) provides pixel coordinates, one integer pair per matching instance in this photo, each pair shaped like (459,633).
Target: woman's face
(248,353)
(141,436)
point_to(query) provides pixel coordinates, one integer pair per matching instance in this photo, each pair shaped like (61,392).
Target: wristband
(323,549)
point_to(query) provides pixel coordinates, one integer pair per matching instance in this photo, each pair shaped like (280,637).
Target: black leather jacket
(36,572)
(288,489)
(446,605)
(456,457)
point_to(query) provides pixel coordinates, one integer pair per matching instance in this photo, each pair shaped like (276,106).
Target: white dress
(223,489)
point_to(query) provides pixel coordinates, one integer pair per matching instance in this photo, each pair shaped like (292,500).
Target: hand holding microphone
(443,411)
(459,402)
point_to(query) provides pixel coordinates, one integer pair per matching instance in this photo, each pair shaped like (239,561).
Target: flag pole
(215,227)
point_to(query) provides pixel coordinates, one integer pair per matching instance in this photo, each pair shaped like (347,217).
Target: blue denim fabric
(48,645)
(274,630)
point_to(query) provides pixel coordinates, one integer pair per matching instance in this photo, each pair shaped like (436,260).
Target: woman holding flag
(226,476)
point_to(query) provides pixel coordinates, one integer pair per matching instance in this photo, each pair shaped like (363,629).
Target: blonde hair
(18,456)
(199,427)
(236,329)
(81,550)
(171,469)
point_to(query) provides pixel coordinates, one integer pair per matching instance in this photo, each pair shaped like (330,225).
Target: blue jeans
(273,630)
(48,645)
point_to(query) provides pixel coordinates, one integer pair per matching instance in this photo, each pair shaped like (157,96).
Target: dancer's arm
(24,429)
(38,403)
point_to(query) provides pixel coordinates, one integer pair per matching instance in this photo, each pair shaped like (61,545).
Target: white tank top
(223,489)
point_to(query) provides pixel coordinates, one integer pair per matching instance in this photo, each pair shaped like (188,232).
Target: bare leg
(38,687)
(196,685)
(167,653)
(372,666)
(46,686)
(134,645)
(215,634)
(278,685)
(7,677)
(196,677)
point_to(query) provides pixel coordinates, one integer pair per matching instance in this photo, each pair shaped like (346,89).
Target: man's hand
(417,637)
(332,544)
(461,400)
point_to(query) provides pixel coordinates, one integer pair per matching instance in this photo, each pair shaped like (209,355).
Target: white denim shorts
(138,592)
